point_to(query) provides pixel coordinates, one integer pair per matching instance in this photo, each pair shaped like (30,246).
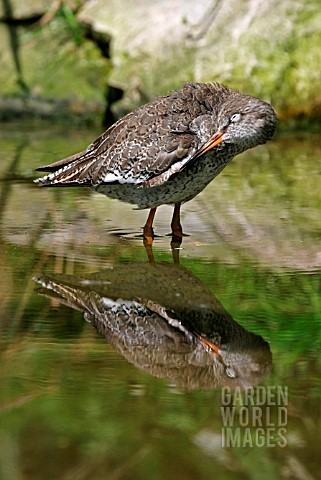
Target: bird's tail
(70,171)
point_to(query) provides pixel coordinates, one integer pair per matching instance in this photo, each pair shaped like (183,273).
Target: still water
(117,363)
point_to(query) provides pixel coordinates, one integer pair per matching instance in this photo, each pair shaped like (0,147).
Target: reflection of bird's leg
(175,252)
(149,251)
(148,228)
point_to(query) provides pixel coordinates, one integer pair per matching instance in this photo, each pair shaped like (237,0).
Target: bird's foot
(176,240)
(149,252)
(177,230)
(177,235)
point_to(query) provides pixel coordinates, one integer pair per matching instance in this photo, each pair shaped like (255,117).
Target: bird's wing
(153,142)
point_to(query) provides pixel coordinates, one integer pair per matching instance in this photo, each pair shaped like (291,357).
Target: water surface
(142,398)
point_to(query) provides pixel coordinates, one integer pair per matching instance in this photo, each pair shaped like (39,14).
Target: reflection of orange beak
(209,346)
(211,143)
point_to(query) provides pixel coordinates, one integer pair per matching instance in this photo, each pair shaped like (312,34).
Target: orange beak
(209,346)
(211,143)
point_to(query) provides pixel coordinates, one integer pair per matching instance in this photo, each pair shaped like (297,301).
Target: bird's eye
(235,118)
(230,372)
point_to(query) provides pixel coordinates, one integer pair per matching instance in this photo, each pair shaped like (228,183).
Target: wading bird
(167,151)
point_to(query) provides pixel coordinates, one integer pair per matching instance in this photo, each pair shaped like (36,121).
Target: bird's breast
(180,188)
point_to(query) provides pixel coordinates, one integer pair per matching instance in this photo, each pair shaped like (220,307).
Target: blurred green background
(66,57)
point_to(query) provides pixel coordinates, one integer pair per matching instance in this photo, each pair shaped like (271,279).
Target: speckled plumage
(164,320)
(154,156)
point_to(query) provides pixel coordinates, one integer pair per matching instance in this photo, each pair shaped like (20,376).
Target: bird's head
(246,121)
(243,122)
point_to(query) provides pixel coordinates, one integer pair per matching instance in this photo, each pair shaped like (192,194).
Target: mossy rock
(268,49)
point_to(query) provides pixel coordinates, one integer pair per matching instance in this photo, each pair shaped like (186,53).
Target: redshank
(169,150)
(165,321)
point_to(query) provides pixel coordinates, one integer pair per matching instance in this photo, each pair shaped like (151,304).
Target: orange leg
(176,222)
(177,232)
(148,228)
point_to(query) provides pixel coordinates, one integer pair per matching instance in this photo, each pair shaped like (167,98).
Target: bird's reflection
(164,320)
